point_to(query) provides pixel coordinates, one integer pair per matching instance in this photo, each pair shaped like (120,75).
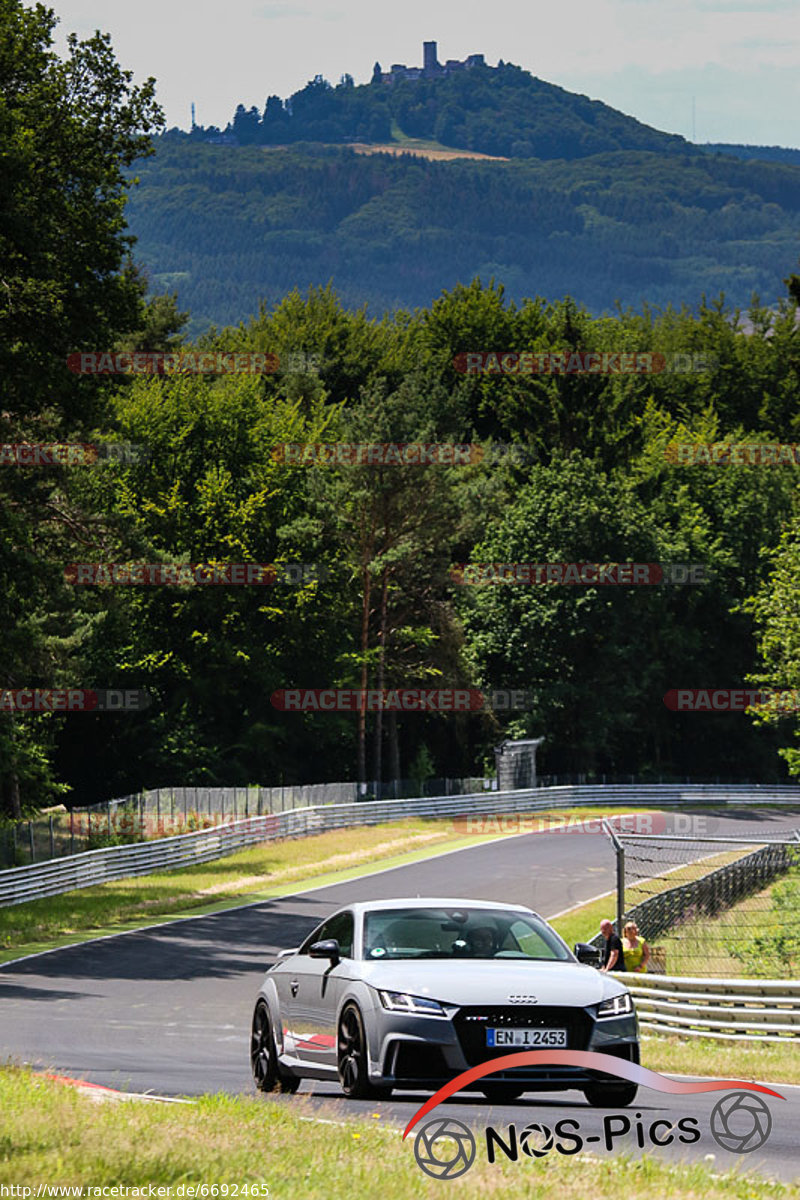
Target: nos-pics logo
(445,1148)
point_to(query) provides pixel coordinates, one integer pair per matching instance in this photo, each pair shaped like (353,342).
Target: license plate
(526,1037)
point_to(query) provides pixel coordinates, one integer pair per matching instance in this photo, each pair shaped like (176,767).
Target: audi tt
(407,994)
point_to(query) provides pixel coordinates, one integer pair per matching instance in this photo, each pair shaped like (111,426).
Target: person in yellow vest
(635,949)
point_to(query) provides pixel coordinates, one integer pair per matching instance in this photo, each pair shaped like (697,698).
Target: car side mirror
(587,954)
(329,948)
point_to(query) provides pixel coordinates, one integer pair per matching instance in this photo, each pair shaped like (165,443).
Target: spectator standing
(635,950)
(613,958)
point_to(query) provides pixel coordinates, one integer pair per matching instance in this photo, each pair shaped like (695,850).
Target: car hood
(476,983)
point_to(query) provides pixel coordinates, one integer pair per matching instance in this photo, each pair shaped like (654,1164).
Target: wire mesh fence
(166,812)
(722,907)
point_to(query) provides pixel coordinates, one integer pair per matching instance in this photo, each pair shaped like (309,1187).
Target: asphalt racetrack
(168,1010)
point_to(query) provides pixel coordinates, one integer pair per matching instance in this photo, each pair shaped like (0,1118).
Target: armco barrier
(749,1010)
(118,862)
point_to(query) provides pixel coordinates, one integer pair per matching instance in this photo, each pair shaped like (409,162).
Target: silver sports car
(410,993)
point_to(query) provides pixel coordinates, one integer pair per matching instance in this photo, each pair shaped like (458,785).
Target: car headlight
(617,1006)
(421,1006)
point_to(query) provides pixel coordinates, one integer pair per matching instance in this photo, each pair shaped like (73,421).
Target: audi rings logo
(517,999)
(740,1122)
(444,1148)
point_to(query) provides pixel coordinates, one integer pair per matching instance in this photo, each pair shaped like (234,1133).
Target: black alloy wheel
(264,1057)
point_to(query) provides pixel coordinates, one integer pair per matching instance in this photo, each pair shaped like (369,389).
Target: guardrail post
(108,817)
(30,839)
(52,839)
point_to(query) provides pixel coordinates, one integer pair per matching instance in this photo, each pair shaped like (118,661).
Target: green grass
(707,941)
(52,1134)
(583,923)
(765,1062)
(267,870)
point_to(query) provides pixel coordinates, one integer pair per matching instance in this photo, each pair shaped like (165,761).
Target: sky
(711,70)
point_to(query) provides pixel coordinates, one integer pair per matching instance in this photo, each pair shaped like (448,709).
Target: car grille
(471,1025)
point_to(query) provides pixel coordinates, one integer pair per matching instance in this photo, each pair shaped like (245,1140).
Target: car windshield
(460,933)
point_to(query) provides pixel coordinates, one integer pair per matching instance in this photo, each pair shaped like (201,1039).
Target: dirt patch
(335,863)
(396,148)
(421,152)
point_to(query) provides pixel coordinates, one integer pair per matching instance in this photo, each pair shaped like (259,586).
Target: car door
(315,987)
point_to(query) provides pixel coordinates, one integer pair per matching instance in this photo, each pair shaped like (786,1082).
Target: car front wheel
(351,1053)
(502,1093)
(264,1056)
(611,1095)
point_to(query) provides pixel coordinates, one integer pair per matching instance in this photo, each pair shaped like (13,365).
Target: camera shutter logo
(444,1148)
(740,1122)
(536,1140)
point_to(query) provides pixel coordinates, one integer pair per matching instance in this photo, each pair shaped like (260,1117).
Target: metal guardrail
(21,884)
(749,1010)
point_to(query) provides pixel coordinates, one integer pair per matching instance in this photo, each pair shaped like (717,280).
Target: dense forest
(784,154)
(227,227)
(596,479)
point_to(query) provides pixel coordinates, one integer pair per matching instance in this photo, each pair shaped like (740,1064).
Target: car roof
(365,906)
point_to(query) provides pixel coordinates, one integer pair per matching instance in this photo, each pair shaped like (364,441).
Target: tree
(377,73)
(68,129)
(396,524)
(246,125)
(776,609)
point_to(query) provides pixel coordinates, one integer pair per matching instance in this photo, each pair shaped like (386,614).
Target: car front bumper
(420,1051)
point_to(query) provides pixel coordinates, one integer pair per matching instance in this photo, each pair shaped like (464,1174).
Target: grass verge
(54,1135)
(764,1062)
(710,939)
(263,871)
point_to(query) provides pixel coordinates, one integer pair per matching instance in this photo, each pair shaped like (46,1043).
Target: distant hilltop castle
(431,67)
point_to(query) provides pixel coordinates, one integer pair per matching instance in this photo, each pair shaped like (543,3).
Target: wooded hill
(229,226)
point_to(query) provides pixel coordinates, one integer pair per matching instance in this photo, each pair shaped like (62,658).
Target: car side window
(340,927)
(316,936)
